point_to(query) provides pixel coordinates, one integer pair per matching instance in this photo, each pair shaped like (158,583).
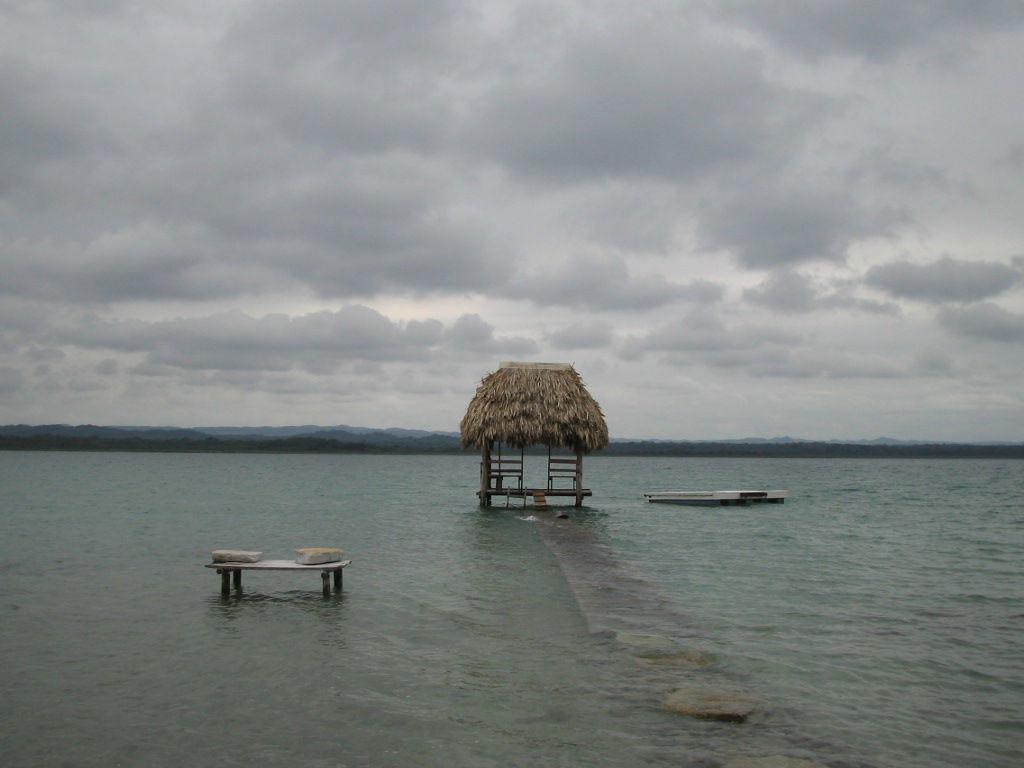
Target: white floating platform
(718,498)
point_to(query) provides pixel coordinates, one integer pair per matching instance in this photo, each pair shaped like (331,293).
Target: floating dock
(718,498)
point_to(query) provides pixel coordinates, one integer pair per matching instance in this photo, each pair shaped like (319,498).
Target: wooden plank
(279,565)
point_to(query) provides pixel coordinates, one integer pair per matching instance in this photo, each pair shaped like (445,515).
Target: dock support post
(485,477)
(337,580)
(225,581)
(238,579)
(325,577)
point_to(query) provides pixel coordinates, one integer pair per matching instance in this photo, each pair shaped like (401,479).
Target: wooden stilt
(337,581)
(225,581)
(485,477)
(238,579)
(578,480)
(326,577)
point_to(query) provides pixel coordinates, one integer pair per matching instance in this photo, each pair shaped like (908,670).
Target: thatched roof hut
(523,404)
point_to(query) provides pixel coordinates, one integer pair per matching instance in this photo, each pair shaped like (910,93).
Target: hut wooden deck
(539,495)
(233,571)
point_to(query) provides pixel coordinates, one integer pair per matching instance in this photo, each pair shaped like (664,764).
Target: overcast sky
(735,217)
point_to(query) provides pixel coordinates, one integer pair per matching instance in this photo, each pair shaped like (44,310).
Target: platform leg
(237,579)
(225,581)
(325,576)
(337,580)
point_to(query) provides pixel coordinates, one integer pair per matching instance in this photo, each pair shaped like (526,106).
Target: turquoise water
(877,614)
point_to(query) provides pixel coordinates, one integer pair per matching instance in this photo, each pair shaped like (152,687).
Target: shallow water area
(878,619)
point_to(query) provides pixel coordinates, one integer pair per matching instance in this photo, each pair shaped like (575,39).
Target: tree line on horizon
(88,438)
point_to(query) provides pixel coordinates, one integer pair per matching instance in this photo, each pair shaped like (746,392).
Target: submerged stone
(706,704)
(689,659)
(648,645)
(775,761)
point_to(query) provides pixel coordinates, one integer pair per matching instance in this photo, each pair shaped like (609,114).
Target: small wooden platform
(227,569)
(718,498)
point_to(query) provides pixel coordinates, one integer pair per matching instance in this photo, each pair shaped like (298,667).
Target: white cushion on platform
(317,555)
(236,556)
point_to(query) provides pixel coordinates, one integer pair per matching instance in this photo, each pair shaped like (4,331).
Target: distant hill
(342,430)
(91,430)
(314,439)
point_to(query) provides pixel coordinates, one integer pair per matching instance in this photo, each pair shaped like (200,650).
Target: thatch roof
(523,404)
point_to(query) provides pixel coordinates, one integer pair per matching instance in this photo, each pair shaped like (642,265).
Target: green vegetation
(88,438)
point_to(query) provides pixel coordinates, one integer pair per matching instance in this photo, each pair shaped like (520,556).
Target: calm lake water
(878,614)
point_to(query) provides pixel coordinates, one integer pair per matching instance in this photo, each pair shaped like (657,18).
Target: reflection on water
(321,617)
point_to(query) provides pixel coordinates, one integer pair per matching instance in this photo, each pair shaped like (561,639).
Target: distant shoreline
(450,446)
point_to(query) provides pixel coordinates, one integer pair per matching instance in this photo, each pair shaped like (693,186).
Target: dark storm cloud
(933,363)
(145,262)
(756,351)
(792,292)
(238,341)
(638,218)
(359,76)
(639,102)
(985,322)
(361,34)
(44,354)
(827,365)
(876,31)
(769,225)
(944,280)
(784,291)
(34,129)
(343,228)
(581,336)
(704,333)
(605,283)
(317,342)
(471,333)
(11,380)
(107,367)
(296,161)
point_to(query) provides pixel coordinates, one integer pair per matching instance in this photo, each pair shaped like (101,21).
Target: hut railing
(568,471)
(506,469)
